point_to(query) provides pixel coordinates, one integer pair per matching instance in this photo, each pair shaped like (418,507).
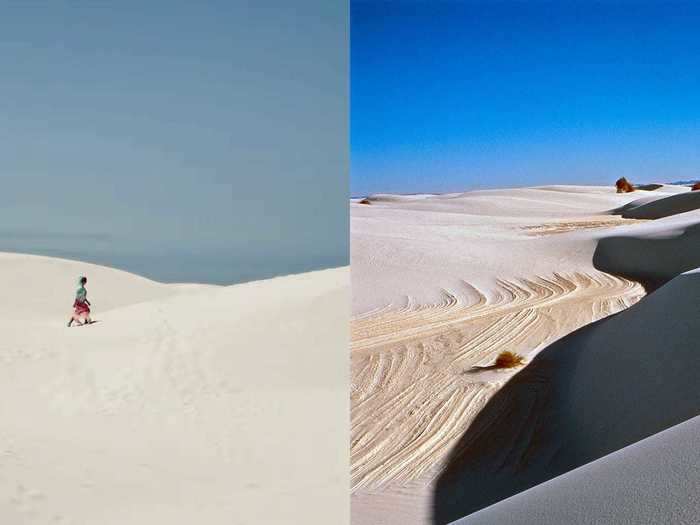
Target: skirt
(81,308)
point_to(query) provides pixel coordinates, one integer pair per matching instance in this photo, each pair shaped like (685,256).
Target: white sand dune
(184,404)
(411,251)
(659,207)
(441,285)
(654,481)
(602,388)
(654,252)
(416,370)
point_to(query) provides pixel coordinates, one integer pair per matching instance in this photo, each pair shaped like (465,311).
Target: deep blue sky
(186,141)
(450,96)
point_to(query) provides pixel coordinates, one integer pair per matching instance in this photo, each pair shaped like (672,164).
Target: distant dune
(659,207)
(183,404)
(654,252)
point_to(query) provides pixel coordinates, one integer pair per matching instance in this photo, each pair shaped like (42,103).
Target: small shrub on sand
(695,187)
(364,201)
(623,186)
(509,360)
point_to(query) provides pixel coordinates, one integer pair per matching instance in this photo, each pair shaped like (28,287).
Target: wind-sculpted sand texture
(565,227)
(420,374)
(424,340)
(598,390)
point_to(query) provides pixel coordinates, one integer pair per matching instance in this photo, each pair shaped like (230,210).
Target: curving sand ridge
(414,386)
(660,206)
(397,325)
(442,285)
(596,391)
(600,389)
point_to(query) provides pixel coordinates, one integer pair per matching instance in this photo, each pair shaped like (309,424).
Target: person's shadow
(88,324)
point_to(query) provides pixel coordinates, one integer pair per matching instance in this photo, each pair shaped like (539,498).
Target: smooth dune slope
(441,285)
(183,404)
(654,252)
(47,287)
(604,387)
(409,250)
(659,207)
(654,481)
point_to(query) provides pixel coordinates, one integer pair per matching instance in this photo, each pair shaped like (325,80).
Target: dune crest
(441,286)
(600,389)
(660,206)
(184,404)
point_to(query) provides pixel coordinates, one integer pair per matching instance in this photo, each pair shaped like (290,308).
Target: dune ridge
(420,365)
(659,207)
(598,390)
(482,272)
(642,363)
(184,403)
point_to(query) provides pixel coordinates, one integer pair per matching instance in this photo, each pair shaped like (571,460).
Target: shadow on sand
(650,260)
(507,447)
(600,388)
(86,324)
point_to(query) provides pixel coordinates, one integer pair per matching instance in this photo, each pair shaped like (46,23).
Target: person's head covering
(80,280)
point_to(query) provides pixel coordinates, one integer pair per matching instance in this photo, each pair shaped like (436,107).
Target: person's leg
(70,321)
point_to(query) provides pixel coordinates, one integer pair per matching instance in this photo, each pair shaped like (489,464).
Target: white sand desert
(443,283)
(183,404)
(653,481)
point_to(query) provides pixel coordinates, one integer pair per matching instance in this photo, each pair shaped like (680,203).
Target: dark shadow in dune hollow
(538,426)
(508,448)
(652,261)
(575,402)
(529,432)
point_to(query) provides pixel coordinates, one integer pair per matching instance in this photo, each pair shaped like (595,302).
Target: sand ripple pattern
(415,388)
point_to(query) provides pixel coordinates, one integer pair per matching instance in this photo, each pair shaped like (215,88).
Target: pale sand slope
(660,206)
(408,250)
(184,404)
(604,387)
(441,285)
(654,252)
(654,481)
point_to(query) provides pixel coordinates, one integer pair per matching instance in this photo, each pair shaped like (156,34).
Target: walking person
(81,305)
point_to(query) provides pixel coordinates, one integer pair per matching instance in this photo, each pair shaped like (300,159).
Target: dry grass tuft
(623,186)
(364,201)
(509,360)
(695,187)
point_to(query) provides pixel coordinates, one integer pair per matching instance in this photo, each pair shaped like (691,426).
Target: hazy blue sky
(199,141)
(453,96)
